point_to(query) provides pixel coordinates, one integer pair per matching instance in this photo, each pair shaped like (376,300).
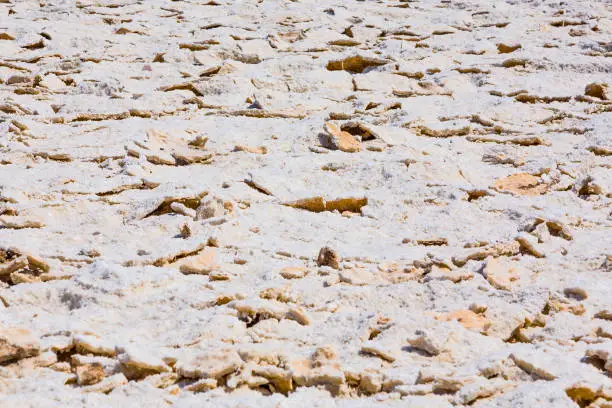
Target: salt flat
(331,203)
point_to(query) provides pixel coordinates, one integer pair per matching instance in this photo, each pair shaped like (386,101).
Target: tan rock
(281,378)
(416,389)
(576,292)
(211,364)
(249,149)
(200,264)
(314,204)
(183,210)
(293,272)
(88,374)
(137,364)
(209,208)
(507,48)
(602,352)
(163,149)
(280,294)
(323,375)
(521,184)
(15,260)
(44,359)
(202,385)
(88,344)
(379,349)
(319,204)
(52,82)
(586,393)
(16,344)
(481,388)
(357,277)
(299,315)
(254,310)
(370,382)
(163,380)
(501,273)
(354,64)
(321,369)
(361,129)
(14,265)
(338,139)
(450,383)
(61,366)
(529,244)
(219,275)
(18,277)
(597,90)
(19,222)
(107,384)
(467,318)
(431,341)
(482,252)
(514,62)
(536,364)
(444,130)
(454,275)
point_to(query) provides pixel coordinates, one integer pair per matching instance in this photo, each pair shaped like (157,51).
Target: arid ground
(307,203)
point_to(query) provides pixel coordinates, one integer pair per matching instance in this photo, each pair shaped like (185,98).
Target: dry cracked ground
(309,203)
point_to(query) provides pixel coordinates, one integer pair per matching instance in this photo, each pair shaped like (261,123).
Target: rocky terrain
(308,203)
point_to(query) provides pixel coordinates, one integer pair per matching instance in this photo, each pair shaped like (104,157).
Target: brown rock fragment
(602,352)
(507,48)
(314,204)
(370,382)
(363,130)
(597,90)
(529,244)
(328,257)
(19,222)
(320,204)
(88,344)
(107,384)
(249,149)
(355,64)
(514,62)
(299,315)
(88,374)
(588,394)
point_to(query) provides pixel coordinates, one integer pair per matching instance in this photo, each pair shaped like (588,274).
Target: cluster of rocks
(305,203)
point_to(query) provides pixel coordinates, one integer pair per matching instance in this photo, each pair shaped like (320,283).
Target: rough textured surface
(336,203)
